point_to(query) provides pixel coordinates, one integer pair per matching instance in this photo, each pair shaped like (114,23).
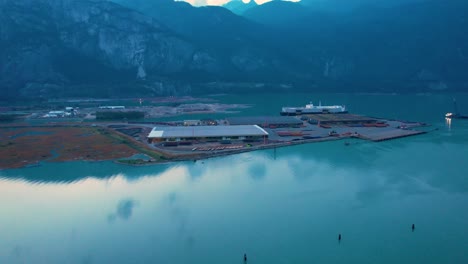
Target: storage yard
(266,132)
(340,119)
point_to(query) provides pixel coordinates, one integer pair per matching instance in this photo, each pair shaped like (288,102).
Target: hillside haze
(124,48)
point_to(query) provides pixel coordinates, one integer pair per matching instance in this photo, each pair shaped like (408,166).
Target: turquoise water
(283,206)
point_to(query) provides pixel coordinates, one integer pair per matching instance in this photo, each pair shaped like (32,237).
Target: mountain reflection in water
(286,206)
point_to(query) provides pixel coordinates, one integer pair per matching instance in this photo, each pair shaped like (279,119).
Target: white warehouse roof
(206,131)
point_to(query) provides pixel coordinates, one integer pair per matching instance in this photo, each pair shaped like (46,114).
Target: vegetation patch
(139,147)
(66,143)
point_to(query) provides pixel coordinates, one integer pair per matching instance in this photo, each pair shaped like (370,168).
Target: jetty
(377,136)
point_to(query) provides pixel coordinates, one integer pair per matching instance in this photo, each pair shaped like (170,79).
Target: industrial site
(189,139)
(248,133)
(194,139)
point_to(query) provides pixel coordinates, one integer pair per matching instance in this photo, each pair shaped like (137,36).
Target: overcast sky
(222,2)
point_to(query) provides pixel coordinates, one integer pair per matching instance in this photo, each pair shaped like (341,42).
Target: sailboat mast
(455,107)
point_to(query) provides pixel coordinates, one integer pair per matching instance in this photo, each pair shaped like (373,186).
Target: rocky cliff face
(67,47)
(237,46)
(100,48)
(61,43)
(122,38)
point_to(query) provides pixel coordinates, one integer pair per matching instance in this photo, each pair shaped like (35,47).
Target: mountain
(49,46)
(210,26)
(100,48)
(56,48)
(340,6)
(410,46)
(240,50)
(278,13)
(239,7)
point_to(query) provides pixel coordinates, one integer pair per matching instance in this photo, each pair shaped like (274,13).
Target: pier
(377,136)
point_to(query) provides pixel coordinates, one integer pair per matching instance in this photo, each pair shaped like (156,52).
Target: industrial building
(206,133)
(266,121)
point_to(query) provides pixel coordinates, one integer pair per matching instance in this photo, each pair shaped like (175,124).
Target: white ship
(313,109)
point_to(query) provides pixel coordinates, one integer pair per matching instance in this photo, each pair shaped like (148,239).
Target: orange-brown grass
(58,144)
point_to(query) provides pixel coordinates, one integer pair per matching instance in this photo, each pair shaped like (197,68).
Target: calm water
(286,206)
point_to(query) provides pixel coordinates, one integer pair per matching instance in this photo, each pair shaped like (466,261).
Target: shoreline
(200,156)
(182,158)
(101,142)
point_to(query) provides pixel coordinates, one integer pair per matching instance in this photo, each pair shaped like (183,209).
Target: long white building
(184,133)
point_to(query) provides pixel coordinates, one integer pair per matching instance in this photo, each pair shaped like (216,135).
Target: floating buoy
(412,228)
(245,258)
(339,238)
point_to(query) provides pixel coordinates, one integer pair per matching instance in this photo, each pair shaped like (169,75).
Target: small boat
(456,114)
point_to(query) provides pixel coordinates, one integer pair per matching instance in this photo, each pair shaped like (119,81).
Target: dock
(382,135)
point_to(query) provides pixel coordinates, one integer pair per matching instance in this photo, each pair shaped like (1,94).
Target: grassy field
(28,145)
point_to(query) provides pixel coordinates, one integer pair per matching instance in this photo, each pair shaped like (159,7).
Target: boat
(456,114)
(313,109)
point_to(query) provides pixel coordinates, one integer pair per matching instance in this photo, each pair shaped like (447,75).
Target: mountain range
(76,48)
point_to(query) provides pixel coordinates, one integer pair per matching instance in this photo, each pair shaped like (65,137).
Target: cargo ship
(313,109)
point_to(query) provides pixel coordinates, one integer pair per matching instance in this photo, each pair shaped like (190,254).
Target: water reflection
(71,172)
(275,210)
(257,171)
(197,170)
(124,210)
